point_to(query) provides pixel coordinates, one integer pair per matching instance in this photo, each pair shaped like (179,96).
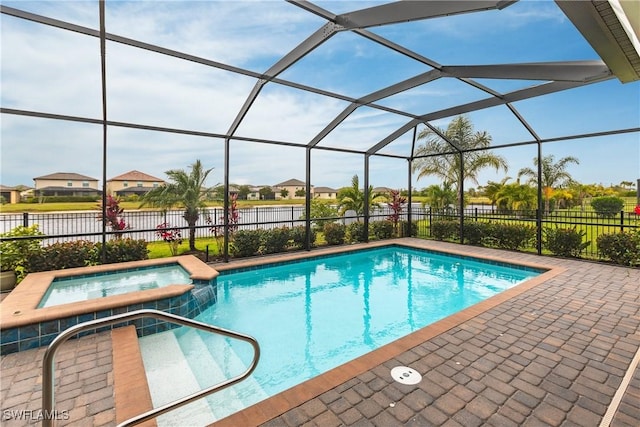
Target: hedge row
(255,242)
(620,248)
(81,253)
(338,234)
(504,236)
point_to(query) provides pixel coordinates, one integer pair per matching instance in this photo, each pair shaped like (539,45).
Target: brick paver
(84,384)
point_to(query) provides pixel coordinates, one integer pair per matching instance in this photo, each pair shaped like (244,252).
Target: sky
(50,70)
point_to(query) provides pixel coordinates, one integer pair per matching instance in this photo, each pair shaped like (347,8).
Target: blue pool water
(82,288)
(314,315)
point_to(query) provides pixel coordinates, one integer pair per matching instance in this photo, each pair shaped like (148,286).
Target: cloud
(56,71)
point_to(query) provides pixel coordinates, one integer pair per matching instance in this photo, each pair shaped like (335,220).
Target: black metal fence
(586,221)
(67,226)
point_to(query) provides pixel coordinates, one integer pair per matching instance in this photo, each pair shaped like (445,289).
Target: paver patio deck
(554,355)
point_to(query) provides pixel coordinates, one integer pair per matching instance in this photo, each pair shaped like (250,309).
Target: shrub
(14,254)
(172,236)
(408,231)
(512,236)
(564,241)
(607,206)
(62,255)
(246,242)
(298,236)
(476,232)
(123,250)
(275,240)
(334,233)
(356,232)
(445,229)
(621,248)
(382,229)
(80,253)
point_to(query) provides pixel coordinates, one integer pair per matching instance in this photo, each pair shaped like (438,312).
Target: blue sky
(55,71)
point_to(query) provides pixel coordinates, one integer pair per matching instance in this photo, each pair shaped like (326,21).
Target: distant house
(132,182)
(325,193)
(254,193)
(383,190)
(9,194)
(292,187)
(66,184)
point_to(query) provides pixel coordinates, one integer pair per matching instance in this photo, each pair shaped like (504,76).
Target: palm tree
(515,197)
(492,189)
(440,197)
(186,190)
(554,175)
(352,198)
(447,166)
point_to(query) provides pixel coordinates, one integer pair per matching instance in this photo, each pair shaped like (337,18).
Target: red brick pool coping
(20,307)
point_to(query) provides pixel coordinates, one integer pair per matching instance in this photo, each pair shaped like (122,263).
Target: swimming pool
(64,290)
(311,316)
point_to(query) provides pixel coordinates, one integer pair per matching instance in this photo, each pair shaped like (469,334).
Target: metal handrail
(48,377)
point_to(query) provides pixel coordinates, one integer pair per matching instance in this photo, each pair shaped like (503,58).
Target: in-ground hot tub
(24,324)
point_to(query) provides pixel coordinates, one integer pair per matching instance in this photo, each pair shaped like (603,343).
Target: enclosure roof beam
(407,11)
(310,43)
(523,122)
(519,95)
(571,71)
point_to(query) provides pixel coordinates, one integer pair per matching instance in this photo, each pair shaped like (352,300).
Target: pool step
(170,378)
(208,372)
(210,356)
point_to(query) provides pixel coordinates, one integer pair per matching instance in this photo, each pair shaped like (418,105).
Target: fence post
(25,219)
(430,221)
(622,221)
(475,214)
(291,216)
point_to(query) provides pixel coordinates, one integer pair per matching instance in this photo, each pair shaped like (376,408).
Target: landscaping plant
(172,236)
(112,214)
(566,242)
(607,207)
(14,254)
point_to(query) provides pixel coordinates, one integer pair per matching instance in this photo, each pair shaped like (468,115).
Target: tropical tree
(440,198)
(554,175)
(321,213)
(437,157)
(492,189)
(516,197)
(184,189)
(352,198)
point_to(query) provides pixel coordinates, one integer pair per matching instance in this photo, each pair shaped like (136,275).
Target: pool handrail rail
(48,371)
